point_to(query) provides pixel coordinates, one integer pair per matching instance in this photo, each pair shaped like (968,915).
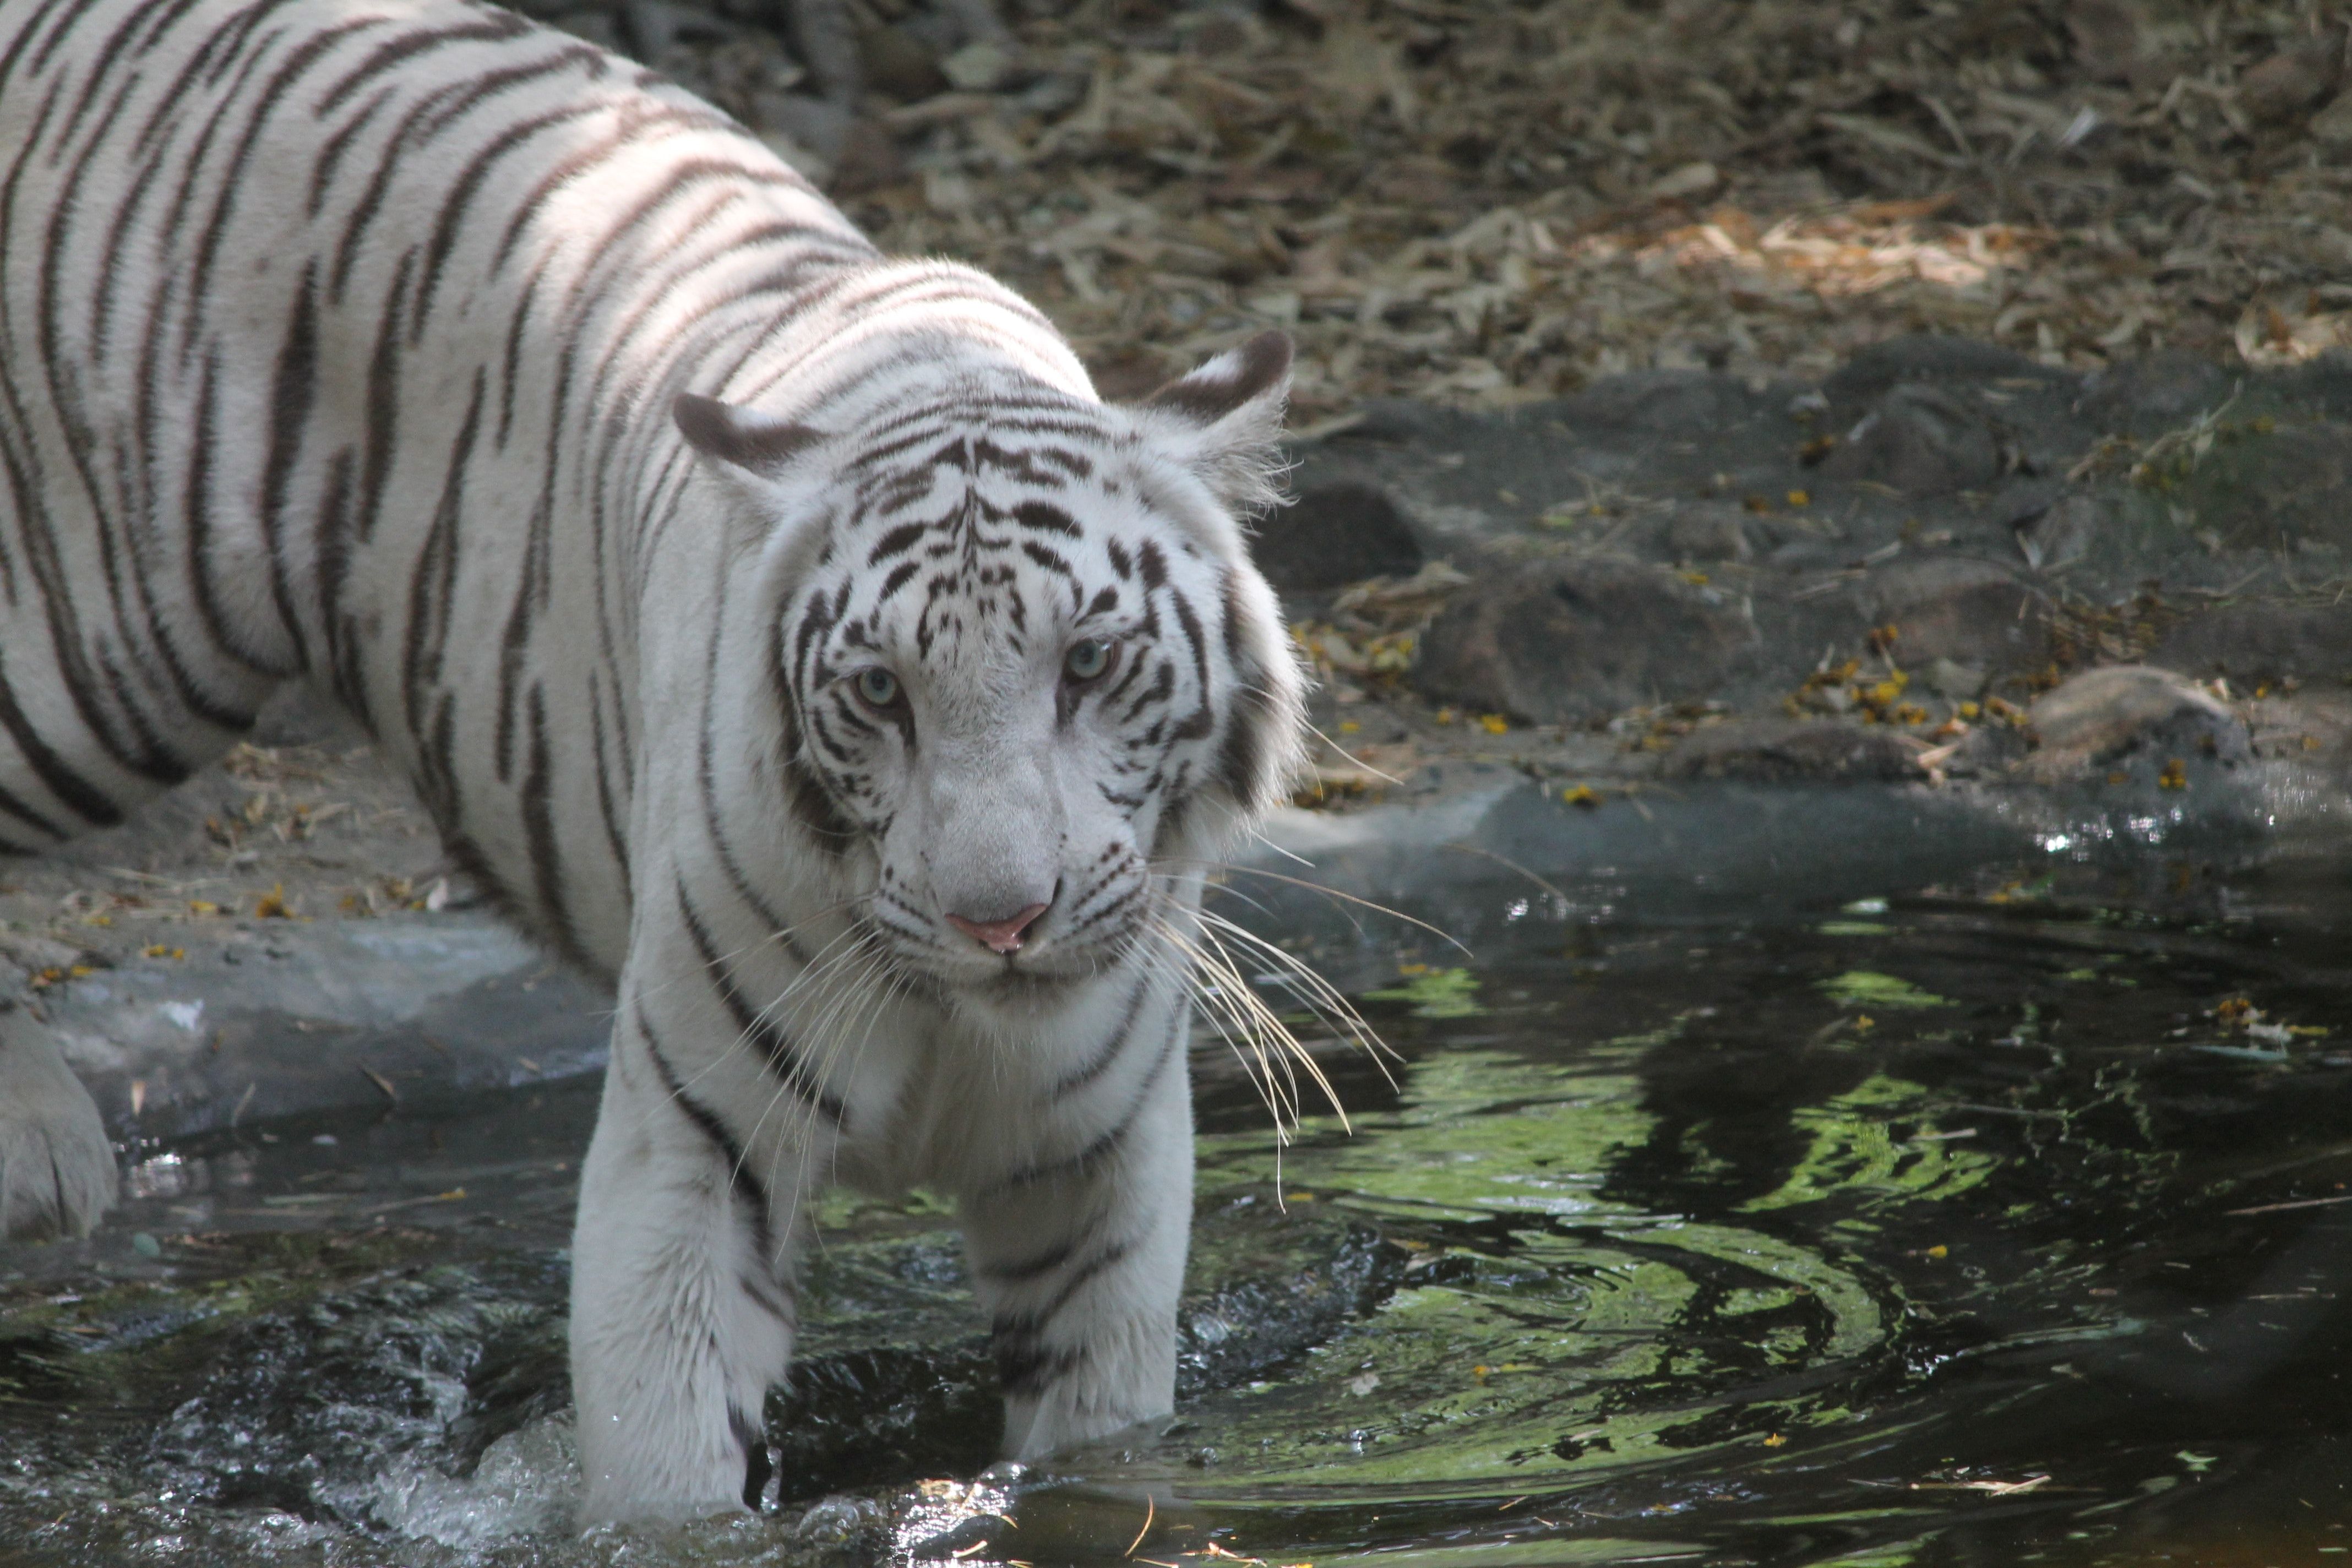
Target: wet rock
(2155,393)
(299,1407)
(1568,641)
(1273,1305)
(875,1415)
(962,1540)
(1972,612)
(1788,750)
(1334,535)
(2103,715)
(839,1522)
(2261,642)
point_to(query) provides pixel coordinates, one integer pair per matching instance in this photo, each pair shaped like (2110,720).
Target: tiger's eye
(877,686)
(1088,657)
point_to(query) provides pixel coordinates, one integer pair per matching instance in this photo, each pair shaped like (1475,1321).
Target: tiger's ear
(1224,420)
(759,443)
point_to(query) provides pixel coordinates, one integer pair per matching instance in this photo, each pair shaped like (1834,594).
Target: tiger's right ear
(758,443)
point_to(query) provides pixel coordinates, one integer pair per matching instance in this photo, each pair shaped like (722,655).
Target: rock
(1709,531)
(1989,750)
(1667,402)
(33,953)
(1922,439)
(2109,39)
(868,159)
(2272,491)
(649,28)
(1953,607)
(1779,750)
(811,164)
(1689,180)
(1568,641)
(2290,83)
(2152,393)
(2063,535)
(2103,714)
(1953,681)
(981,67)
(898,63)
(1928,357)
(2252,643)
(2332,126)
(1335,534)
(818,124)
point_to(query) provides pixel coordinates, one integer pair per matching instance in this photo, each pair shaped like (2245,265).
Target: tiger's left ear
(758,443)
(1223,421)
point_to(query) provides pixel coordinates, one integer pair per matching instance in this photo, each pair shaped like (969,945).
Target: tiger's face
(1026,662)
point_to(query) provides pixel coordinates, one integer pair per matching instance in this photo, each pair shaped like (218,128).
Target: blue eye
(877,686)
(1088,658)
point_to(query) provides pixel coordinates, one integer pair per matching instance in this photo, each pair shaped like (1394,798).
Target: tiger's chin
(1023,987)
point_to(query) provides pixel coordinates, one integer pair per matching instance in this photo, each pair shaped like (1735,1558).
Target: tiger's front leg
(682,1310)
(1079,1263)
(56,1167)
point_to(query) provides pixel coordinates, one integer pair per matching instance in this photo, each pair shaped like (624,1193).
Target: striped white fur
(775,629)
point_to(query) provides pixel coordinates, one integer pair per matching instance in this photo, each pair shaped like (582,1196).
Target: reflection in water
(1999,1221)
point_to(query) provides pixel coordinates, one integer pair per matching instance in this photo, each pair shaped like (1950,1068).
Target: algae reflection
(1992,1219)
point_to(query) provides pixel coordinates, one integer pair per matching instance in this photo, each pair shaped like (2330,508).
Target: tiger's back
(788,632)
(340,352)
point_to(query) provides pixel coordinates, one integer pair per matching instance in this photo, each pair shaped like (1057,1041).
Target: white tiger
(870,728)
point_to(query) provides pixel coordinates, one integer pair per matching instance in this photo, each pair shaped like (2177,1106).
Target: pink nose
(999,936)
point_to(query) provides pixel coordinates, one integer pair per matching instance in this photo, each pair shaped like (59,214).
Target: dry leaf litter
(1479,203)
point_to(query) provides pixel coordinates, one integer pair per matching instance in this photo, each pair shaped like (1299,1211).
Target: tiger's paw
(56,1165)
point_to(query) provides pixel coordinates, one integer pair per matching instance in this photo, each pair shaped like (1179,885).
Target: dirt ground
(1481,202)
(300,823)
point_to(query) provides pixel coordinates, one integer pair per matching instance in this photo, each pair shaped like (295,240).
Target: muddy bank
(1944,561)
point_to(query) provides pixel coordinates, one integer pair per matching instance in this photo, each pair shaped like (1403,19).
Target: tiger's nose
(999,936)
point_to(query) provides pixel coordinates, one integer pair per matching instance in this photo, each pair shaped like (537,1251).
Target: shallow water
(1777,1210)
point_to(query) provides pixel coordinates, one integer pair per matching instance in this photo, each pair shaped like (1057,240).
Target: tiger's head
(1023,665)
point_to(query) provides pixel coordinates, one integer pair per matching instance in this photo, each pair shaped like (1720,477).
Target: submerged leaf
(1438,993)
(1866,988)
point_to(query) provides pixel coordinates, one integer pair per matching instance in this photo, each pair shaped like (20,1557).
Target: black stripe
(1107,1142)
(293,392)
(502,25)
(1113,1046)
(434,579)
(539,834)
(740,1179)
(617,838)
(383,398)
(80,797)
(1025,1363)
(782,1055)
